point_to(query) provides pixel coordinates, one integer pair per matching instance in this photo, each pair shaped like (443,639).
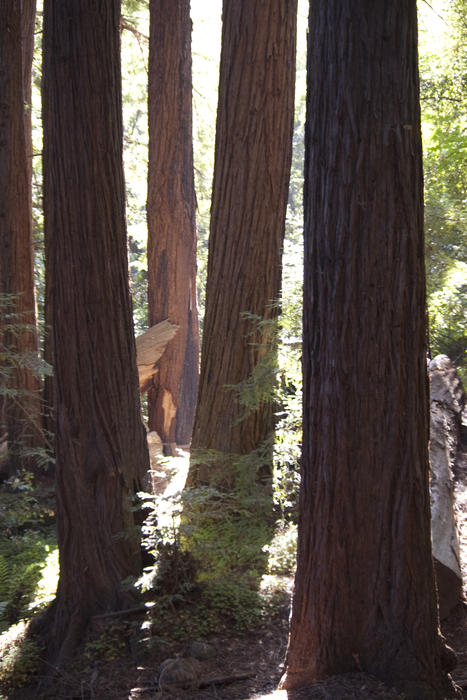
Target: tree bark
(100,441)
(251,176)
(364,589)
(22,406)
(171,221)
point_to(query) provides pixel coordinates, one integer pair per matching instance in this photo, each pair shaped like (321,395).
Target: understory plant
(212,546)
(32,445)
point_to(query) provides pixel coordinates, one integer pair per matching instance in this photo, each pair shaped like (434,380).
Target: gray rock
(201,651)
(179,673)
(446,406)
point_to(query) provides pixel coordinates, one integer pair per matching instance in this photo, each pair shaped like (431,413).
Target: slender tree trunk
(100,441)
(28,23)
(364,590)
(171,220)
(17,260)
(251,176)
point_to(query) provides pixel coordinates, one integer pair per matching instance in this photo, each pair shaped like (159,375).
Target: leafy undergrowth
(180,606)
(123,657)
(28,571)
(244,630)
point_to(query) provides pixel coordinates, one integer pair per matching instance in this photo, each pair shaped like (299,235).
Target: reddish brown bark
(251,175)
(171,220)
(17,259)
(100,441)
(364,590)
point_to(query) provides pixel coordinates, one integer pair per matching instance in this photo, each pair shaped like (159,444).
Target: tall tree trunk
(28,23)
(17,260)
(100,441)
(364,589)
(251,176)
(171,220)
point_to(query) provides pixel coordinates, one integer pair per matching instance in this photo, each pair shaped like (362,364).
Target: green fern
(4,579)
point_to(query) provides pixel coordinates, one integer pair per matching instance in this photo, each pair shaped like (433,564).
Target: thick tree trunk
(17,259)
(251,176)
(100,442)
(171,220)
(364,590)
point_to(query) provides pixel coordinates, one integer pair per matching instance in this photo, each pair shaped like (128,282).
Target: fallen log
(447,403)
(150,346)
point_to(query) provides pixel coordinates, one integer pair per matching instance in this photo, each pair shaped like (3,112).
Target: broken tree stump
(150,346)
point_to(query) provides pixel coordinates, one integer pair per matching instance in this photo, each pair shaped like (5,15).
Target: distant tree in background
(249,198)
(171,221)
(21,405)
(100,442)
(364,590)
(28,23)
(444,102)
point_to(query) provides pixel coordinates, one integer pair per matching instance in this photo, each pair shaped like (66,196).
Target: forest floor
(227,665)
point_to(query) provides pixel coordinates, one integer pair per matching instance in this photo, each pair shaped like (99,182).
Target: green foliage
(260,387)
(28,573)
(13,361)
(139,284)
(282,552)
(110,644)
(232,604)
(173,574)
(226,533)
(205,56)
(130,7)
(218,608)
(209,551)
(14,327)
(21,560)
(20,658)
(447,311)
(220,537)
(135,50)
(444,109)
(26,541)
(288,435)
(24,506)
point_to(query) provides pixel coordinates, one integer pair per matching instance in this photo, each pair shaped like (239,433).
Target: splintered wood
(150,347)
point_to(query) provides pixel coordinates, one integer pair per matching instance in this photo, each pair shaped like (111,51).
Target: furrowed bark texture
(251,176)
(171,221)
(16,243)
(100,441)
(364,590)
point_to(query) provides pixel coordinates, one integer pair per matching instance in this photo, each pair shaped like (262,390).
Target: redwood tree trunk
(171,221)
(251,176)
(364,590)
(16,243)
(100,441)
